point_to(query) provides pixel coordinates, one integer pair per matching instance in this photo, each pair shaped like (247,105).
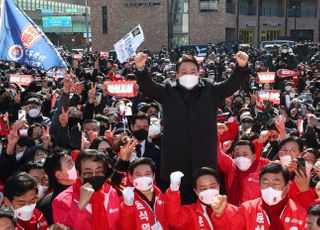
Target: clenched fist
(140,60)
(242,58)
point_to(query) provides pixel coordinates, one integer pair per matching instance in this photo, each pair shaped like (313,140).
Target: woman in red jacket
(195,216)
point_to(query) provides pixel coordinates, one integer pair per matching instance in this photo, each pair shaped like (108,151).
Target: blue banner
(22,41)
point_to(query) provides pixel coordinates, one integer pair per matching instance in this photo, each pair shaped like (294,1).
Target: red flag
(283,73)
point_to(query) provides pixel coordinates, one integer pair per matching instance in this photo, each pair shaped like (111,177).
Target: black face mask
(95,181)
(140,134)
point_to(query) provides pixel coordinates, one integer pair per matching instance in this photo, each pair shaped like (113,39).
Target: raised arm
(148,87)
(232,84)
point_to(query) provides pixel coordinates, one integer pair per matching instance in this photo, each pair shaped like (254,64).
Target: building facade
(177,22)
(65,22)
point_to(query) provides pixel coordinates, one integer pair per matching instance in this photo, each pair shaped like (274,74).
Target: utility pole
(87,24)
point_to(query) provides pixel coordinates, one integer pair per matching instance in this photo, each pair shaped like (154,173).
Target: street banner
(266,77)
(121,88)
(268,95)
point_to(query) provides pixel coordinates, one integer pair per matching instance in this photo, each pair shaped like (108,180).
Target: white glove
(175,180)
(128,196)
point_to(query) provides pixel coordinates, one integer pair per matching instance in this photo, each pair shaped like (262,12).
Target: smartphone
(301,164)
(21,114)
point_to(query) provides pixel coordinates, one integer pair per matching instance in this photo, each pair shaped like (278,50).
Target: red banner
(121,88)
(266,77)
(77,57)
(269,95)
(23,80)
(104,54)
(283,73)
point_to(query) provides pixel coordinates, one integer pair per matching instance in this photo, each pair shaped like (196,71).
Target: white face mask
(42,190)
(271,196)
(100,86)
(44,90)
(143,184)
(285,160)
(309,166)
(72,174)
(284,51)
(288,88)
(23,132)
(19,155)
(189,81)
(154,129)
(34,113)
(243,163)
(207,196)
(24,213)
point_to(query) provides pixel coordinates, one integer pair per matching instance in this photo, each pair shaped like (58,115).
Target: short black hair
(31,128)
(6,212)
(291,139)
(31,165)
(53,164)
(96,142)
(91,121)
(18,184)
(186,58)
(275,168)
(205,171)
(271,125)
(142,161)
(95,156)
(314,210)
(140,116)
(245,142)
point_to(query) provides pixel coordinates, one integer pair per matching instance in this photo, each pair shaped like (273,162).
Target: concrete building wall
(122,19)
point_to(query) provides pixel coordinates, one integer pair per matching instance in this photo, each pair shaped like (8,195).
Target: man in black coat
(189,114)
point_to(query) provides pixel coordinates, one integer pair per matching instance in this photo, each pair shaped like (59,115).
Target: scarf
(274,213)
(99,212)
(236,186)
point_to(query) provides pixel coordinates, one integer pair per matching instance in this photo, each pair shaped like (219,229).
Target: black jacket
(190,129)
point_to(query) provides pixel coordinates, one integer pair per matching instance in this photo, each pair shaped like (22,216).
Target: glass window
(104,20)
(208,5)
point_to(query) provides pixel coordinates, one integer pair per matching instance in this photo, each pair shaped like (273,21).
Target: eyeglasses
(90,174)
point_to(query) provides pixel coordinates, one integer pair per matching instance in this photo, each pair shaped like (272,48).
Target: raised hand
(86,192)
(46,139)
(128,196)
(64,116)
(264,135)
(67,83)
(302,181)
(140,60)
(219,204)
(280,124)
(127,150)
(175,180)
(110,132)
(242,58)
(92,94)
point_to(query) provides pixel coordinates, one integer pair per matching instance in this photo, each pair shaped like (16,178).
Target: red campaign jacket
(304,199)
(189,217)
(65,210)
(37,222)
(251,216)
(251,187)
(232,132)
(140,215)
